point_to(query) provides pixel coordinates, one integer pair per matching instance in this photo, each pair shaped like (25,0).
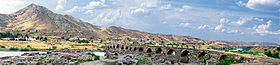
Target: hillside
(48,23)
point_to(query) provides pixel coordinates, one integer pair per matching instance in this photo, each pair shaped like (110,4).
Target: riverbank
(50,57)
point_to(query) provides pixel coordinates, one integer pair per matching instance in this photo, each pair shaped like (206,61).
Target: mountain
(47,23)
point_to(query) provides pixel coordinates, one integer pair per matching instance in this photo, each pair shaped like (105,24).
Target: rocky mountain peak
(33,9)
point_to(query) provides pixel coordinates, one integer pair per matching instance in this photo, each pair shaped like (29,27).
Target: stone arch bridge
(186,54)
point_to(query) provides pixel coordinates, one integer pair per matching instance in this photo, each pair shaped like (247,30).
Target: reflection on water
(16,53)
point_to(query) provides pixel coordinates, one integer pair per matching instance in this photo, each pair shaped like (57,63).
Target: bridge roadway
(182,53)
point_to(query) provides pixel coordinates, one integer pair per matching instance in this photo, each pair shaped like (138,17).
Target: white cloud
(185,7)
(94,4)
(243,20)
(149,3)
(202,26)
(138,10)
(240,3)
(73,9)
(60,4)
(165,7)
(88,12)
(264,5)
(184,24)
(219,27)
(258,19)
(262,29)
(9,6)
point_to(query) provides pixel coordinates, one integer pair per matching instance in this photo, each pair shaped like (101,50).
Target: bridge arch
(141,49)
(149,50)
(130,48)
(135,48)
(118,46)
(171,52)
(126,47)
(185,53)
(202,54)
(158,51)
(122,47)
(185,56)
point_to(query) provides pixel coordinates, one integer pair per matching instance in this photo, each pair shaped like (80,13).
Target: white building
(5,38)
(237,50)
(30,39)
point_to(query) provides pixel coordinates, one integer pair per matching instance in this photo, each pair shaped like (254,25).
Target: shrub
(79,60)
(72,46)
(149,54)
(226,61)
(141,62)
(13,48)
(88,59)
(83,41)
(51,60)
(76,63)
(54,47)
(278,48)
(2,46)
(22,64)
(203,43)
(96,57)
(28,46)
(116,53)
(34,49)
(24,49)
(92,54)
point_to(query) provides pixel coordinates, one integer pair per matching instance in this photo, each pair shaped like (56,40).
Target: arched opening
(130,48)
(110,46)
(126,48)
(158,51)
(171,52)
(202,54)
(149,50)
(185,53)
(135,48)
(118,46)
(141,49)
(122,47)
(114,47)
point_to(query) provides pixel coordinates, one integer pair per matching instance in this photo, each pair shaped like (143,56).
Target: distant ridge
(35,17)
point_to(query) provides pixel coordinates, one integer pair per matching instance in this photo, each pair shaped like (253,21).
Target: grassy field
(45,45)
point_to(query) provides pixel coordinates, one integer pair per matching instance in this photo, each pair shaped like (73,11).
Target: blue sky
(234,20)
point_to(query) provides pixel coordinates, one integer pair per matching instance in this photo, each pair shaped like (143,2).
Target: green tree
(83,41)
(28,46)
(278,48)
(38,38)
(41,38)
(45,38)
(54,47)
(226,61)
(2,46)
(265,49)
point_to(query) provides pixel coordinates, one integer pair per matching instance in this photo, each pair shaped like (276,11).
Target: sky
(229,20)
